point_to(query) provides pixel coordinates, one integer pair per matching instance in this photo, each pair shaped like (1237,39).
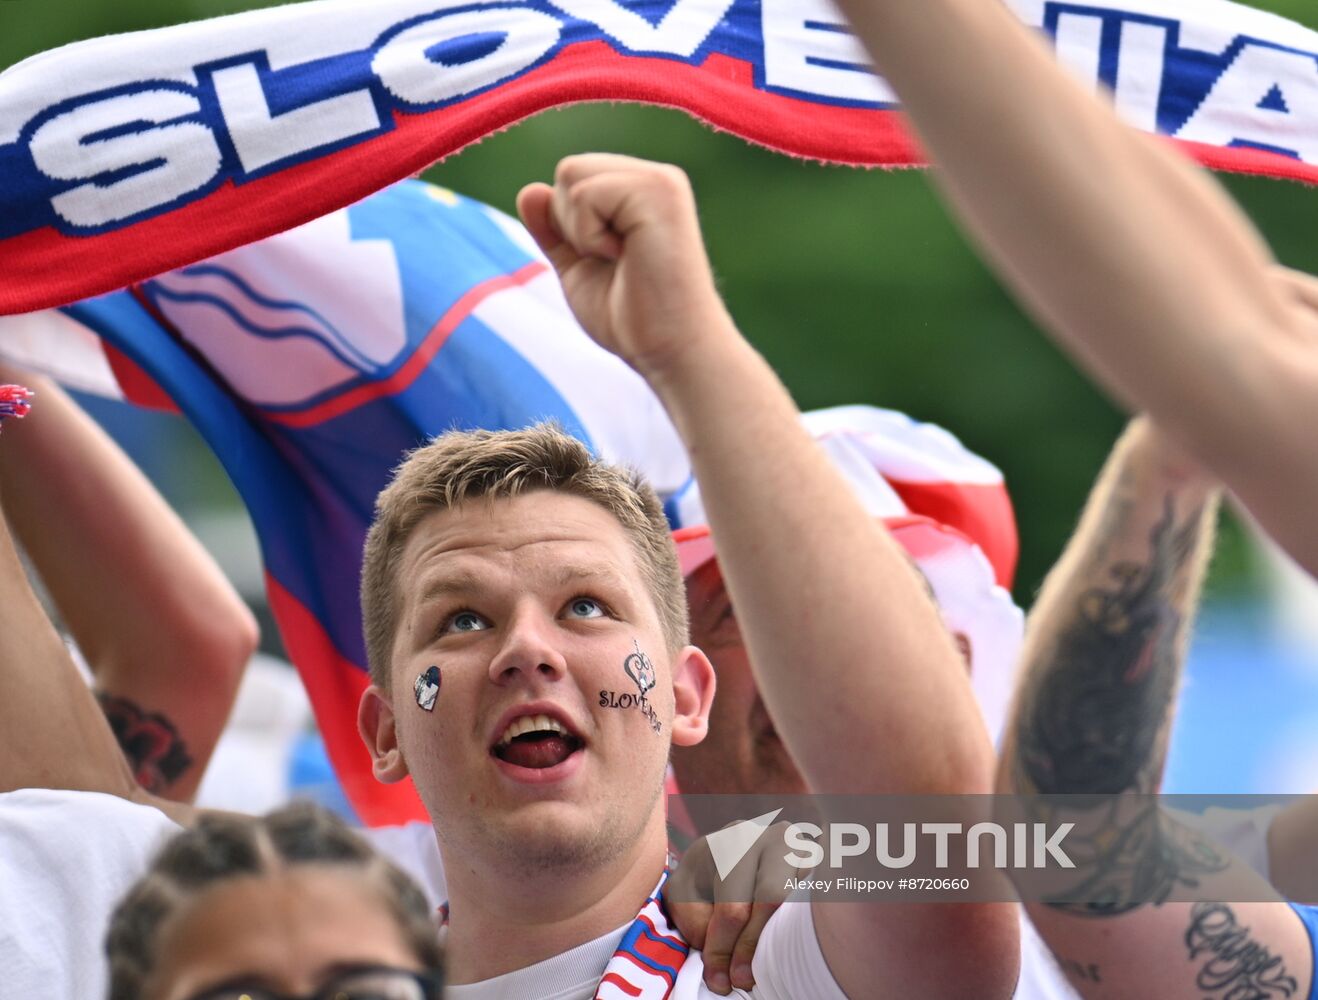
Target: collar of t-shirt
(642,960)
(573,975)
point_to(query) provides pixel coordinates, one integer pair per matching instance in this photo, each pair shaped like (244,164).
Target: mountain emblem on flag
(248,313)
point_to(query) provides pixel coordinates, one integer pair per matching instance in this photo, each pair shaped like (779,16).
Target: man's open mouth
(537,742)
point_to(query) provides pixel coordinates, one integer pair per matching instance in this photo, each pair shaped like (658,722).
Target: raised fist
(624,238)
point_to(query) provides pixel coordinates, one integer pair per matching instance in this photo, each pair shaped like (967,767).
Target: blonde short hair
(467,465)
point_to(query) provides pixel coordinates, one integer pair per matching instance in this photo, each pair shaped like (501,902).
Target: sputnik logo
(728,846)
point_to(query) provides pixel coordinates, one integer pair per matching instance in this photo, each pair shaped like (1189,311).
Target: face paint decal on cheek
(426,689)
(638,667)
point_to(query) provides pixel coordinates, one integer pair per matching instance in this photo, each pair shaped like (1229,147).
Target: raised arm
(1132,258)
(862,681)
(51,740)
(1103,653)
(165,635)
(1105,641)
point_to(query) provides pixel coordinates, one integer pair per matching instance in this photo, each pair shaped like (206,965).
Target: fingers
(691,918)
(589,196)
(573,221)
(598,199)
(625,240)
(713,928)
(726,924)
(747,941)
(535,206)
(746,922)
(1302,288)
(728,932)
(661,179)
(772,875)
(689,893)
(732,911)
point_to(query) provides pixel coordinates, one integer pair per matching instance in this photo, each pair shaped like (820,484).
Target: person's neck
(502,918)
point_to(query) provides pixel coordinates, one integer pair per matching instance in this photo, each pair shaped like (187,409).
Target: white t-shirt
(788,965)
(788,962)
(66,859)
(412,847)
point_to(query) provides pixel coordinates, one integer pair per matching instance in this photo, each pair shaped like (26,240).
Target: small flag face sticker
(426,688)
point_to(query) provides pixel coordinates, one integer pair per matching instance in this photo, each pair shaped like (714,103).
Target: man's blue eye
(585,607)
(466,621)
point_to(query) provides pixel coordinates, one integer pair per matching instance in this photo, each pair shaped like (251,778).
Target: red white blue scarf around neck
(647,960)
(128,156)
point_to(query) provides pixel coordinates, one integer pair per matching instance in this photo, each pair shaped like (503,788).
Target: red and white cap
(945,505)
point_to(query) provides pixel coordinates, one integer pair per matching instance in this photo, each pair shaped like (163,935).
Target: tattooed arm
(52,732)
(1102,662)
(1105,640)
(164,633)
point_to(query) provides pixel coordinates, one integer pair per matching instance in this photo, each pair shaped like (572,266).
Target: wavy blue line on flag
(319,328)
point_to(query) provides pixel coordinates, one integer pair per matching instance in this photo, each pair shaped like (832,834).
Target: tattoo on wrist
(1236,967)
(155,752)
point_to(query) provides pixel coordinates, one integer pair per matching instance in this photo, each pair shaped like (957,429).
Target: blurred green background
(854,283)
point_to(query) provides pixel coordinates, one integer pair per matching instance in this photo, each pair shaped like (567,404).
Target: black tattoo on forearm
(1131,854)
(155,752)
(1094,722)
(1095,719)
(1238,968)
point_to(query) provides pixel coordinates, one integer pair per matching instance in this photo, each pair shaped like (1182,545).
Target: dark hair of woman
(222,846)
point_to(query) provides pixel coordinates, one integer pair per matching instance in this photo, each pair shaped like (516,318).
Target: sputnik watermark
(1032,845)
(1081,852)
(810,846)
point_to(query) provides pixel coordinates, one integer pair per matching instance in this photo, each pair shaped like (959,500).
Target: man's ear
(378,729)
(693,696)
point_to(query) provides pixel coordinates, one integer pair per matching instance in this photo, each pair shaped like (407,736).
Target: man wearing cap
(899,469)
(744,754)
(946,507)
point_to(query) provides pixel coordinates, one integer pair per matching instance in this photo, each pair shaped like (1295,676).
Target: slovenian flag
(311,361)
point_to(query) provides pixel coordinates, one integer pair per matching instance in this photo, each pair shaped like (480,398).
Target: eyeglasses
(354,984)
